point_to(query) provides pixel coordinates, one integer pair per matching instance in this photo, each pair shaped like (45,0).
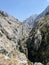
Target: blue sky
(22,9)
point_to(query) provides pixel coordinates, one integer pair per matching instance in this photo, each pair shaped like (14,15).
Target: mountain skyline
(23,9)
(27,42)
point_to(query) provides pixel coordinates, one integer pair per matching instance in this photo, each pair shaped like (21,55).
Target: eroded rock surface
(16,58)
(38,42)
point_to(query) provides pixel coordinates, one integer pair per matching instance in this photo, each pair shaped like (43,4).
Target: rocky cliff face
(11,33)
(28,23)
(16,58)
(38,42)
(17,38)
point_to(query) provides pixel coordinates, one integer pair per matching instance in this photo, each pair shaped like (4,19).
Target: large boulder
(38,63)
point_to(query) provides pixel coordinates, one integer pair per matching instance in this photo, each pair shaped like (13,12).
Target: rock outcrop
(11,41)
(38,42)
(38,63)
(16,58)
(28,23)
(11,32)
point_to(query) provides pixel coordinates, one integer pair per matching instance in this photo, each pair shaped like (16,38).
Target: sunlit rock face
(8,31)
(38,63)
(16,58)
(28,23)
(11,32)
(38,39)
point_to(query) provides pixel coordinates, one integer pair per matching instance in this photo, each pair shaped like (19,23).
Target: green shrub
(29,62)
